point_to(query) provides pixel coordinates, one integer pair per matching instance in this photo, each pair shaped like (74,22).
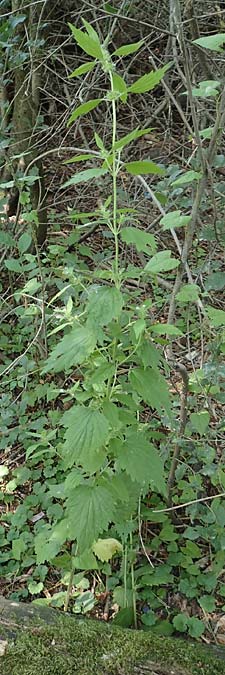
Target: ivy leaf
(125,50)
(144,241)
(161,262)
(74,348)
(152,388)
(84,176)
(83,109)
(87,432)
(104,549)
(144,167)
(141,461)
(90,509)
(105,303)
(149,81)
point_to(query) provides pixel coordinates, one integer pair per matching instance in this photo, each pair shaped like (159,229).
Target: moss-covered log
(42,641)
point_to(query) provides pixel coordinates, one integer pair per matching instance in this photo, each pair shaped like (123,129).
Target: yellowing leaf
(106,548)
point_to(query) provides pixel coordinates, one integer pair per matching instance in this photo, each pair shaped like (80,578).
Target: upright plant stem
(114,176)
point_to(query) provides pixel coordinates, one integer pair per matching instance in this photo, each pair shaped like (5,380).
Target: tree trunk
(37,640)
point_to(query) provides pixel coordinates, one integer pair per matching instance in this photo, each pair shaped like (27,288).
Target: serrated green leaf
(149,81)
(119,87)
(215,281)
(91,31)
(216,316)
(48,542)
(86,434)
(74,348)
(144,167)
(213,42)
(105,303)
(195,627)
(174,219)
(188,293)
(87,43)
(84,176)
(180,622)
(161,262)
(99,142)
(141,461)
(105,549)
(83,109)
(78,158)
(125,50)
(35,588)
(6,239)
(144,241)
(152,388)
(187,177)
(81,70)
(200,421)
(95,507)
(166,329)
(207,603)
(18,547)
(125,140)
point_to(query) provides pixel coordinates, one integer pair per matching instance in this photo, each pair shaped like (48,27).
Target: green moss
(92,648)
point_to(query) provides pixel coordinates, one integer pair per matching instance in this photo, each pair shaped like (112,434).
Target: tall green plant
(107,451)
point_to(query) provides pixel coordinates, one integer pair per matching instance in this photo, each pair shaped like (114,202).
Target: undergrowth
(113,469)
